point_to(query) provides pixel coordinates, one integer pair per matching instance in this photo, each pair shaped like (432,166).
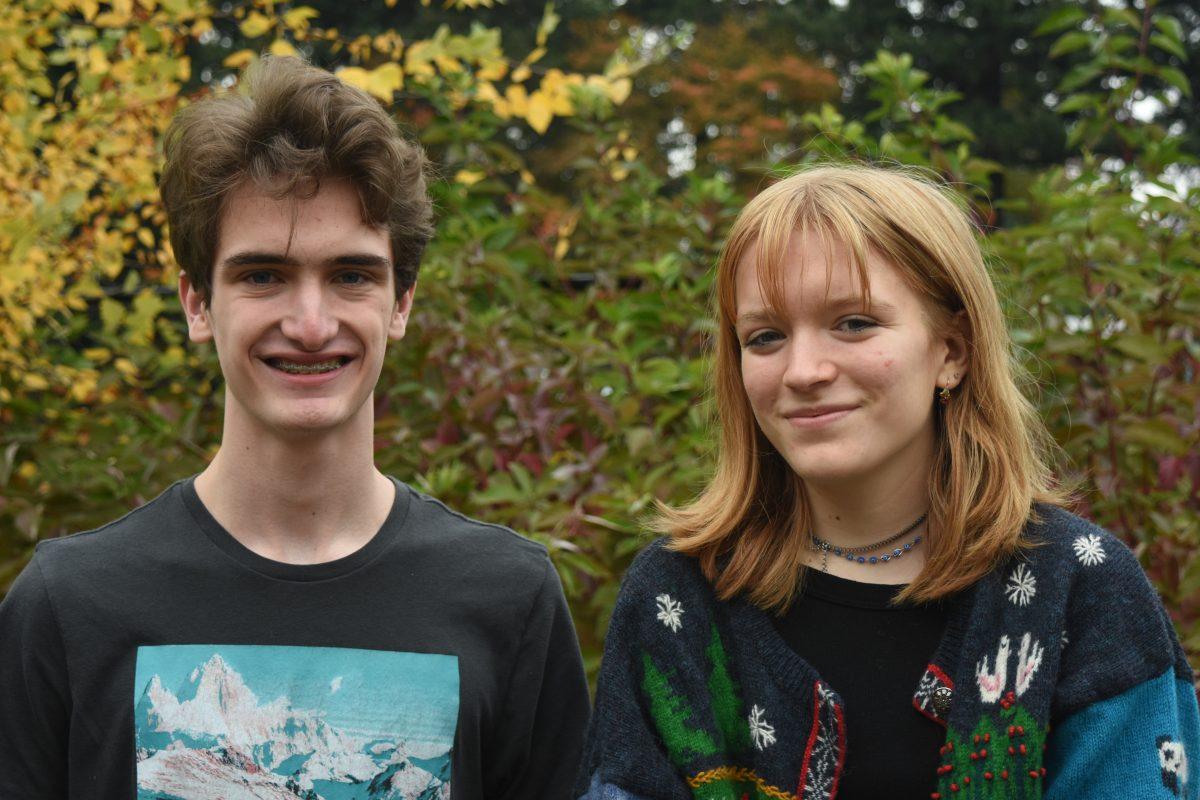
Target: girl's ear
(957,360)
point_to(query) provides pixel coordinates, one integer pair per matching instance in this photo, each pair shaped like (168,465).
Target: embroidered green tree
(671,714)
(1000,760)
(727,706)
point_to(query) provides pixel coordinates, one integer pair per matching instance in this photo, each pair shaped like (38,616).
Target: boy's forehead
(256,219)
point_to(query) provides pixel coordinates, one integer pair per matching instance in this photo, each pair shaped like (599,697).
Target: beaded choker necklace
(859,554)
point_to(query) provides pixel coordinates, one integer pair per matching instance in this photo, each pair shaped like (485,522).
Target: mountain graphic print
(238,722)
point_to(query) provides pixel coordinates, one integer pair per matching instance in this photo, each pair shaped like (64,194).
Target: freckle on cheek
(887,363)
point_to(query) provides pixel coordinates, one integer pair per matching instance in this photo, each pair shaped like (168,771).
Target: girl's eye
(763,339)
(856,324)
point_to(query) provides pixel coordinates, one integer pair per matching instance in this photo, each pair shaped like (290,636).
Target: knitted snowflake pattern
(1089,550)
(762,733)
(670,612)
(1022,586)
(823,757)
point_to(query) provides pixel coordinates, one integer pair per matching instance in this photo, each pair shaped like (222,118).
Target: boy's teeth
(308,369)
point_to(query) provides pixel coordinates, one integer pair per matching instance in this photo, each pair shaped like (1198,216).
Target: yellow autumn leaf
(297,18)
(97,61)
(27,471)
(125,367)
(535,55)
(468,177)
(381,82)
(97,354)
(538,112)
(255,25)
(89,9)
(83,386)
(386,80)
(239,59)
(491,70)
(518,100)
(618,90)
(561,248)
(35,382)
(281,47)
(145,237)
(521,73)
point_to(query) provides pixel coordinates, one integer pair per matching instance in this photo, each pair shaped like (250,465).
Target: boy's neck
(302,500)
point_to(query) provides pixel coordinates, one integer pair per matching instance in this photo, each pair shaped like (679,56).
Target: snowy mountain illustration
(213,738)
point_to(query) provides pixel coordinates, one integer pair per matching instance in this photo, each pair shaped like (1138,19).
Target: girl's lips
(818,421)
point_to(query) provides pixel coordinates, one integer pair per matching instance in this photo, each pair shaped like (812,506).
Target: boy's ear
(399,322)
(195,307)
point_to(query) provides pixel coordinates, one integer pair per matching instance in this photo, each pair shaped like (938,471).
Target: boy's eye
(260,278)
(353,278)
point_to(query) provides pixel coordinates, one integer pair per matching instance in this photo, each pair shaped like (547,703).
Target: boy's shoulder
(129,533)
(488,546)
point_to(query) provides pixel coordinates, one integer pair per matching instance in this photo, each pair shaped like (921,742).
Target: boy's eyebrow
(262,258)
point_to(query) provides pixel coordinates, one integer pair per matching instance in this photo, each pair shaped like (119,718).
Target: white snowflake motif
(762,733)
(1022,586)
(1088,550)
(670,612)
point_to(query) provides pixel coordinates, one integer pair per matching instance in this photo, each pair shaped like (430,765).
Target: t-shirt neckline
(849,592)
(280,570)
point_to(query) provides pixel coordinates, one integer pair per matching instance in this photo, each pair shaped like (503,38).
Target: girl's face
(845,394)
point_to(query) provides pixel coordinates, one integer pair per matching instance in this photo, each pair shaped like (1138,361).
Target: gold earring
(944,395)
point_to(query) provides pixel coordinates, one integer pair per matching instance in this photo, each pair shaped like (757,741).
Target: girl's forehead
(810,266)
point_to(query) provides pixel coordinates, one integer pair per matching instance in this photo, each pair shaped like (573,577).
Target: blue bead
(849,556)
(872,559)
(917,540)
(837,551)
(908,546)
(885,558)
(897,552)
(862,560)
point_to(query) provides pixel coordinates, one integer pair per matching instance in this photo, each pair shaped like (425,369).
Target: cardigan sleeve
(1124,716)
(624,758)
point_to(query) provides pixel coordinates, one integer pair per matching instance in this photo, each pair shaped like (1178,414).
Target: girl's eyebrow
(754,316)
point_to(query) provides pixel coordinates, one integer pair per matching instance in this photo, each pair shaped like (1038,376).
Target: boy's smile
(303,303)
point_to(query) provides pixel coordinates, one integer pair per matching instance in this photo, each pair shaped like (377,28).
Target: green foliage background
(553,377)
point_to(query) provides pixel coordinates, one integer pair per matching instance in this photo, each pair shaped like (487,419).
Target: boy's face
(300,327)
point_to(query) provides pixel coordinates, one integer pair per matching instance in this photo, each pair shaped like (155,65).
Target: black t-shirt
(157,657)
(872,654)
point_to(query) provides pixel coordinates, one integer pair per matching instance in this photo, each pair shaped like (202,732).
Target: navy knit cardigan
(1059,675)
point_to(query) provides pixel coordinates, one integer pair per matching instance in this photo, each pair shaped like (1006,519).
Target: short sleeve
(34,692)
(546,706)
(1125,712)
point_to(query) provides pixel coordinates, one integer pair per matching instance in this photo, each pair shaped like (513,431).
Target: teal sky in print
(361,692)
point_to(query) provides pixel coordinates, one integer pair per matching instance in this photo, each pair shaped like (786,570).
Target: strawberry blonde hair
(751,526)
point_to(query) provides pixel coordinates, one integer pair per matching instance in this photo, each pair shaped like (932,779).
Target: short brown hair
(290,125)
(751,527)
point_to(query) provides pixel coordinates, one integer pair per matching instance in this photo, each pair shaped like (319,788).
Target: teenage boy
(291,623)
